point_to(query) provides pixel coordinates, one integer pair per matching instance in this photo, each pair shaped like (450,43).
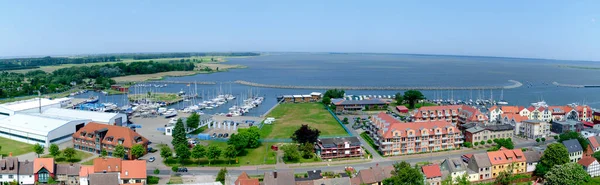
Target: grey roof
(9,165)
(480,160)
(475,129)
(284,177)
(453,165)
(104,179)
(532,156)
(499,127)
(68,169)
(333,142)
(360,102)
(572,145)
(333,181)
(568,122)
(592,130)
(26,167)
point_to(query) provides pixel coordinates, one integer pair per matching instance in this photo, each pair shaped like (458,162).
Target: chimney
(10,154)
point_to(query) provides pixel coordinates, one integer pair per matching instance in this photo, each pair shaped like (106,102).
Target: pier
(515,84)
(575,86)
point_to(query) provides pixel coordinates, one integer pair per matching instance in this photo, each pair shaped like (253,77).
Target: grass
(165,97)
(290,116)
(369,140)
(175,180)
(89,162)
(417,105)
(256,156)
(199,130)
(153,179)
(16,147)
(79,155)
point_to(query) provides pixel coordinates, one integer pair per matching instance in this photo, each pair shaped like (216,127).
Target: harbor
(515,84)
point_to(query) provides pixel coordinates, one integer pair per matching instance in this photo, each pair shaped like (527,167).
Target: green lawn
(290,116)
(175,180)
(79,155)
(17,148)
(90,162)
(417,105)
(256,156)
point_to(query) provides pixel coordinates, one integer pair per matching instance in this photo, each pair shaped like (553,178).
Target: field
(289,117)
(17,148)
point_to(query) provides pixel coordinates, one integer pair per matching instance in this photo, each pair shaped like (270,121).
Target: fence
(339,121)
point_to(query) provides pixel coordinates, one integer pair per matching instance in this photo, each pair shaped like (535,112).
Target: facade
(118,119)
(36,129)
(481,164)
(68,173)
(594,143)
(496,112)
(95,137)
(584,113)
(560,127)
(447,113)
(9,169)
(456,168)
(26,172)
(316,96)
(513,119)
(479,133)
(133,171)
(433,174)
(43,169)
(591,166)
(575,150)
(356,105)
(329,148)
(396,138)
(532,158)
(84,174)
(504,159)
(468,114)
(533,129)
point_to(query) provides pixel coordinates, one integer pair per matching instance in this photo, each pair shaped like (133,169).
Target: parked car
(220,135)
(151,159)
(182,170)
(214,135)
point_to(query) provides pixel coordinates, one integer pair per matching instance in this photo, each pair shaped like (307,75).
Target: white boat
(540,104)
(170,113)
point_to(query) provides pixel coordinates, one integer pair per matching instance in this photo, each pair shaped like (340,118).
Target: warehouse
(43,130)
(118,119)
(34,105)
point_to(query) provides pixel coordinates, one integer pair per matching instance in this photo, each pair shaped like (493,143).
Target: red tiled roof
(586,161)
(401,107)
(431,171)
(86,170)
(512,109)
(39,163)
(502,156)
(417,126)
(116,132)
(437,108)
(594,142)
(244,179)
(518,118)
(108,164)
(588,124)
(133,169)
(531,108)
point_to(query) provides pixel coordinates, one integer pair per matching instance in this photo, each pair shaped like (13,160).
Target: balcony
(444,143)
(386,149)
(447,115)
(438,133)
(458,142)
(459,137)
(454,114)
(432,116)
(418,140)
(431,139)
(387,143)
(454,119)
(444,138)
(431,144)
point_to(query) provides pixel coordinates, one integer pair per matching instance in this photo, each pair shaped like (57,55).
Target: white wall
(29,135)
(37,109)
(66,129)
(123,119)
(6,179)
(531,167)
(10,112)
(26,179)
(83,181)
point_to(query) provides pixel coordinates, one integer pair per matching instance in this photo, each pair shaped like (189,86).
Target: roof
(503,127)
(572,145)
(453,165)
(103,117)
(35,124)
(401,107)
(475,129)
(30,104)
(284,177)
(586,161)
(39,163)
(104,179)
(567,122)
(297,96)
(359,102)
(86,170)
(512,109)
(115,132)
(26,167)
(244,179)
(315,94)
(403,128)
(375,174)
(68,169)
(333,181)
(107,164)
(479,160)
(594,141)
(133,169)
(333,142)
(366,176)
(532,156)
(306,96)
(514,116)
(504,156)
(431,171)
(9,165)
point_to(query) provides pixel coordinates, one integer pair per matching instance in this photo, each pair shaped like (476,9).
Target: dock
(515,84)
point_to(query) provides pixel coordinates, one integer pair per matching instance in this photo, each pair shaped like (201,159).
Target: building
(119,88)
(447,113)
(26,172)
(402,109)
(484,133)
(584,112)
(513,119)
(9,169)
(533,129)
(35,105)
(532,158)
(340,147)
(332,181)
(298,98)
(95,137)
(35,129)
(68,173)
(103,178)
(505,159)
(468,114)
(456,168)
(244,179)
(84,174)
(373,176)
(497,112)
(118,119)
(315,96)
(591,166)
(594,143)
(481,164)
(396,138)
(43,169)
(589,132)
(575,150)
(356,105)
(433,174)
(133,171)
(281,177)
(288,98)
(560,127)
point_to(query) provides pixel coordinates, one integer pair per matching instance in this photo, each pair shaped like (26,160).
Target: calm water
(403,70)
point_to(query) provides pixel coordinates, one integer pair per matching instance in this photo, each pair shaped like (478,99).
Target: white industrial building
(118,119)
(32,105)
(32,129)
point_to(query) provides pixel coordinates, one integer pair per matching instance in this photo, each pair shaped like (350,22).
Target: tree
(253,136)
(119,151)
(175,168)
(544,139)
(221,175)
(137,151)
(54,150)
(193,121)
(69,153)
(413,96)
(290,152)
(307,150)
(537,140)
(165,152)
(555,137)
(334,93)
(489,141)
(399,99)
(326,100)
(306,134)
(230,153)
(38,149)
(213,153)
(555,154)
(506,143)
(482,142)
(183,153)
(345,120)
(405,174)
(574,135)
(198,151)
(467,144)
(476,143)
(156,171)
(179,134)
(239,141)
(569,173)
(506,176)
(103,153)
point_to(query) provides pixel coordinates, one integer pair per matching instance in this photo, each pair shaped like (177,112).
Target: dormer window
(82,134)
(109,139)
(120,141)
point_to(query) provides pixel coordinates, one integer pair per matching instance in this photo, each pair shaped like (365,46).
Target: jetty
(515,84)
(575,86)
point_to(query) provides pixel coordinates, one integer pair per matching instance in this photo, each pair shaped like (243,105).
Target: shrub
(156,171)
(153,180)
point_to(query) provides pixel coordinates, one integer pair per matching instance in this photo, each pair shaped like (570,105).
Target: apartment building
(341,147)
(437,113)
(560,127)
(95,137)
(468,114)
(497,112)
(396,138)
(505,159)
(533,129)
(484,133)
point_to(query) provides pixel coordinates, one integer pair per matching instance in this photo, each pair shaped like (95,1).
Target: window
(10,176)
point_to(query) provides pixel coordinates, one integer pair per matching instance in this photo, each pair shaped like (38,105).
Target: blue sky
(535,29)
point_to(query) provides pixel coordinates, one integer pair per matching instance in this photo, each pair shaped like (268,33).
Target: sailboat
(502,101)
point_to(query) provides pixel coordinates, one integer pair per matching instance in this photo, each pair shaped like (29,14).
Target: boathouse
(298,98)
(306,98)
(316,96)
(288,98)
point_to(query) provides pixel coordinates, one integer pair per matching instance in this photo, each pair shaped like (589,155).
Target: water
(403,70)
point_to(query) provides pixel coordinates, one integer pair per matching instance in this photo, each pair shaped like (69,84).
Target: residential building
(479,133)
(43,169)
(468,114)
(396,138)
(355,105)
(559,113)
(594,143)
(84,174)
(513,119)
(532,158)
(340,147)
(68,174)
(332,181)
(497,112)
(373,176)
(281,177)
(133,171)
(481,164)
(103,179)
(95,137)
(402,109)
(447,113)
(26,172)
(454,167)
(591,166)
(584,113)
(505,159)
(589,132)
(433,174)
(9,169)
(575,150)
(244,179)
(533,129)
(560,127)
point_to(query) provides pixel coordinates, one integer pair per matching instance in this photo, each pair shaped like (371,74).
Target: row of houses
(544,113)
(312,97)
(42,170)
(373,175)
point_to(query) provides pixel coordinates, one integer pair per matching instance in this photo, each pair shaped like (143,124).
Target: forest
(97,77)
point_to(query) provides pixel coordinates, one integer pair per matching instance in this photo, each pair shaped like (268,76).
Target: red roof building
(109,137)
(244,179)
(433,173)
(402,109)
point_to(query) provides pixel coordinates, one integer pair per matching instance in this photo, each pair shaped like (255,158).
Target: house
(104,179)
(447,113)
(26,172)
(288,98)
(504,159)
(456,168)
(107,165)
(315,96)
(356,105)
(532,158)
(339,147)
(479,133)
(402,109)
(281,177)
(333,181)
(298,98)
(306,98)
(574,149)
(533,129)
(43,169)
(590,165)
(481,164)
(68,173)
(244,179)
(373,176)
(584,112)
(468,114)
(560,127)
(9,169)
(497,112)
(84,173)
(433,174)
(133,171)
(513,119)
(594,143)
(589,132)
(95,137)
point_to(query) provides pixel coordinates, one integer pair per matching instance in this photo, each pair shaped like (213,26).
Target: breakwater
(575,85)
(515,84)
(178,82)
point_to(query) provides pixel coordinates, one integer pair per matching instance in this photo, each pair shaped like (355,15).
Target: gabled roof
(453,165)
(512,109)
(26,167)
(9,165)
(244,179)
(480,160)
(532,156)
(333,142)
(86,170)
(431,171)
(594,141)
(116,132)
(587,161)
(514,116)
(133,169)
(68,169)
(39,163)
(280,177)
(572,145)
(30,104)
(107,164)
(104,179)
(506,156)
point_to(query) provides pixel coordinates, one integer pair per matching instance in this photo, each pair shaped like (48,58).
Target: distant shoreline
(579,67)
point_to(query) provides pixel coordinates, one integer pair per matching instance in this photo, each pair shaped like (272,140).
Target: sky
(568,30)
